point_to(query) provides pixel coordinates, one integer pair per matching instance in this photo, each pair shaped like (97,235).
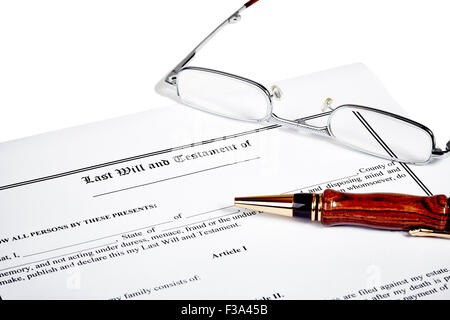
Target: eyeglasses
(365,129)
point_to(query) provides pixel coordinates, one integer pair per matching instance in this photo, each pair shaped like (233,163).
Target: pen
(420,216)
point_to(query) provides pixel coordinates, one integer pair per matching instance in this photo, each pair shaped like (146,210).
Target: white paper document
(141,207)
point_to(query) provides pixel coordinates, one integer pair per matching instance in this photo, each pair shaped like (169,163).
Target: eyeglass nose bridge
(302,123)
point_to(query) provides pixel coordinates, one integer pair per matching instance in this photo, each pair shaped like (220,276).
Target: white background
(65,63)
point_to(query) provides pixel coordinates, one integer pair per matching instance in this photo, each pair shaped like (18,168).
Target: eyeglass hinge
(172,78)
(235,18)
(440,152)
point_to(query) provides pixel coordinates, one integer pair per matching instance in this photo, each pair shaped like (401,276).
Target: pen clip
(429,233)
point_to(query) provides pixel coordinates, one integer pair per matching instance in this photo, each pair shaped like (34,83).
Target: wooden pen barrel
(385,210)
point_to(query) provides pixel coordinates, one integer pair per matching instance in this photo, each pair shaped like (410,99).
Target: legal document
(141,207)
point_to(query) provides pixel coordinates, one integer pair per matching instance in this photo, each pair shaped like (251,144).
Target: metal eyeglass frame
(167,86)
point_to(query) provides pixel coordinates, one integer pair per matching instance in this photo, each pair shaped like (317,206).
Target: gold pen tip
(286,198)
(281,205)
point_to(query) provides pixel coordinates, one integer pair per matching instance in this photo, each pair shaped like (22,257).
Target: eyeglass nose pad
(276,92)
(327,105)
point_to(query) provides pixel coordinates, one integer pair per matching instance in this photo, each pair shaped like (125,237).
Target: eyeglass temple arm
(235,17)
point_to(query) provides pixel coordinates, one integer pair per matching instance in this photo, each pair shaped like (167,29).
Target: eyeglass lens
(381,134)
(222,94)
